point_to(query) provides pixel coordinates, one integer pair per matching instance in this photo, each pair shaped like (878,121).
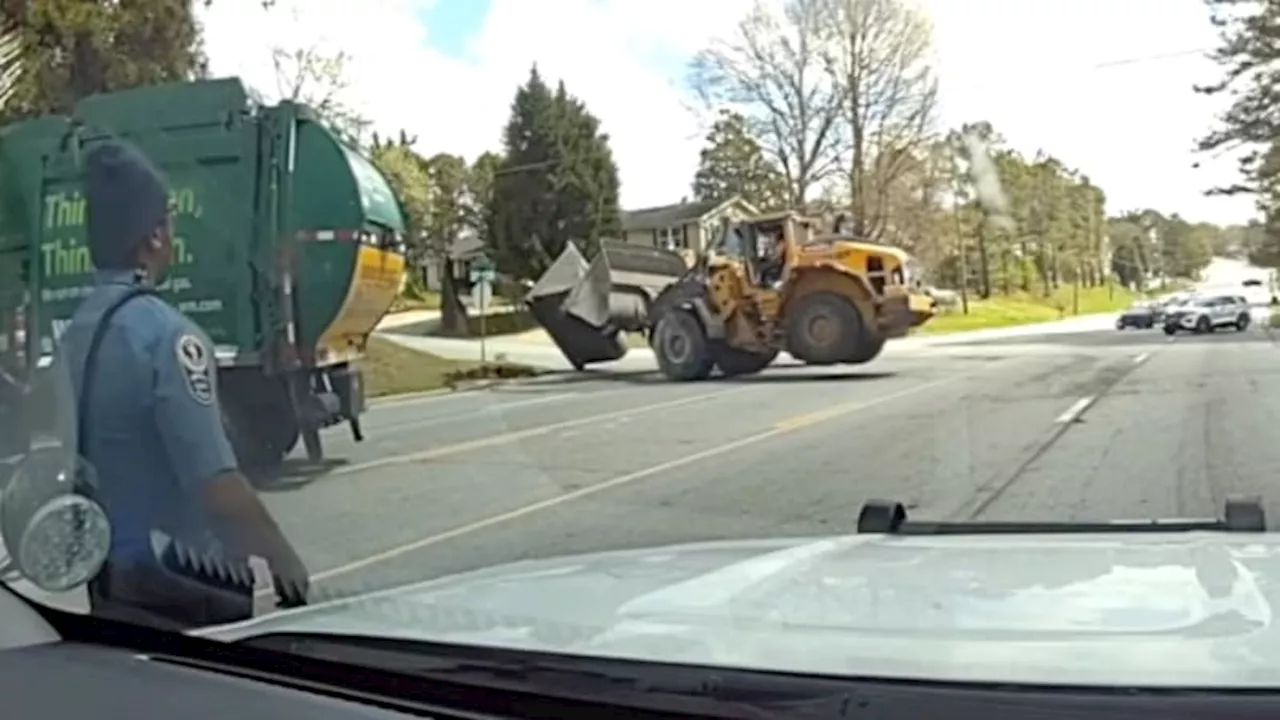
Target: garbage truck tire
(681,347)
(260,439)
(824,329)
(733,361)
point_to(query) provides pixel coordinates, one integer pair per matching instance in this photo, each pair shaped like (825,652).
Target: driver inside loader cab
(772,248)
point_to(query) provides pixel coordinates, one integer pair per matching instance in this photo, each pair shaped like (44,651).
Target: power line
(1149,58)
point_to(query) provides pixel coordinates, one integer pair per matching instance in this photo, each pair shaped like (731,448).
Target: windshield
(289,342)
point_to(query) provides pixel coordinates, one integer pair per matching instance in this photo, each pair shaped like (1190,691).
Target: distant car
(1140,315)
(1162,306)
(1208,313)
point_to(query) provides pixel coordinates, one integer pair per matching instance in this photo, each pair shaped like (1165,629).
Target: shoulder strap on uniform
(91,359)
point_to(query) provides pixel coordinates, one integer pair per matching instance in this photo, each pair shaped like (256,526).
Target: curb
(462,387)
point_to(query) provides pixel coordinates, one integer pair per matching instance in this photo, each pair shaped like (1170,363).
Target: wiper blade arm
(548,673)
(888,517)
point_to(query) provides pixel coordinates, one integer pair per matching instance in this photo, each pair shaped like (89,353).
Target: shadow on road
(1119,338)
(295,474)
(777,374)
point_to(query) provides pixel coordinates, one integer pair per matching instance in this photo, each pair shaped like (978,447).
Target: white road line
(777,430)
(1076,410)
(478,412)
(1141,358)
(535,431)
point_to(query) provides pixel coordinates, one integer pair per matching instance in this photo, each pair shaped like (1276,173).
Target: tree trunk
(453,314)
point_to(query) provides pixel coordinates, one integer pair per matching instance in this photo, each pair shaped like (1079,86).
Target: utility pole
(956,190)
(964,254)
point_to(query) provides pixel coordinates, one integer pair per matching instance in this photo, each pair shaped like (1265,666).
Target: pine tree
(733,163)
(557,183)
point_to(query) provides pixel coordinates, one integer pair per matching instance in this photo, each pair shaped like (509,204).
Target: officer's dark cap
(127,198)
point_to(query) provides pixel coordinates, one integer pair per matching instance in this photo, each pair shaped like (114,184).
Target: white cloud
(602,50)
(1030,67)
(1025,65)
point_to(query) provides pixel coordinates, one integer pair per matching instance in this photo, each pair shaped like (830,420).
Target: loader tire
(868,349)
(824,329)
(681,347)
(733,362)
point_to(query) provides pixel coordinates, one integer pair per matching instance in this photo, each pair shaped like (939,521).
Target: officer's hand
(292,583)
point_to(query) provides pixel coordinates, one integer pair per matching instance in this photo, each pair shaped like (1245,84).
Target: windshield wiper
(575,676)
(888,517)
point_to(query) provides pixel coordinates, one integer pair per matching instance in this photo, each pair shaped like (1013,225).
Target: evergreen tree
(557,182)
(74,48)
(733,163)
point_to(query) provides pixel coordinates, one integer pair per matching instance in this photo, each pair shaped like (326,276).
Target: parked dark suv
(1140,315)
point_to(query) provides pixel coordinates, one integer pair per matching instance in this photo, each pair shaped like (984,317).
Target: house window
(672,238)
(711,232)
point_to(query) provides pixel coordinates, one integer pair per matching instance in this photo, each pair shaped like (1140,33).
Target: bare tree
(876,55)
(771,70)
(10,63)
(318,80)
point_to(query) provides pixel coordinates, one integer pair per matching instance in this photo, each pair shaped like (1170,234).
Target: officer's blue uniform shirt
(155,434)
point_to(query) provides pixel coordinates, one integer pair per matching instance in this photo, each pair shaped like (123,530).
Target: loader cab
(764,246)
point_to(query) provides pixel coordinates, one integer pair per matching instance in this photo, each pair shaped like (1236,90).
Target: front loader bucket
(586,306)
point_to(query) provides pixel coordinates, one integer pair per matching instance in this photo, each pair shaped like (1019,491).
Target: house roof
(468,244)
(664,216)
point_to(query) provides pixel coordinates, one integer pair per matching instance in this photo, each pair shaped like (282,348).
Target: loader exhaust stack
(585,306)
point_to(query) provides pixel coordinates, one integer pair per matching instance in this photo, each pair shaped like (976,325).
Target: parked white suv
(1208,313)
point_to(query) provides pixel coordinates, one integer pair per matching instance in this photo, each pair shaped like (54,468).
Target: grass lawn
(415,300)
(392,369)
(501,323)
(1021,309)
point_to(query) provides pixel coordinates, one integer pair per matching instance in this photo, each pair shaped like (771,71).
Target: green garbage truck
(288,248)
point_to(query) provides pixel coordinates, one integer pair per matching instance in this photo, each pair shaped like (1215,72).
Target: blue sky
(445,71)
(452,23)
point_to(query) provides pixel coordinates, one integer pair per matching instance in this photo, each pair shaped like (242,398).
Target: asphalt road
(1092,425)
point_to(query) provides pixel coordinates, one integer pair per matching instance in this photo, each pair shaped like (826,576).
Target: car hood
(1142,609)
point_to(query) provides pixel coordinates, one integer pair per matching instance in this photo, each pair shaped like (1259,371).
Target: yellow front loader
(772,283)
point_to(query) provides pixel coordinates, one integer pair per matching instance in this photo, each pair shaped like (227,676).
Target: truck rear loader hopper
(586,306)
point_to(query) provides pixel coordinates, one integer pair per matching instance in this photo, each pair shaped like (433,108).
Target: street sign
(482,270)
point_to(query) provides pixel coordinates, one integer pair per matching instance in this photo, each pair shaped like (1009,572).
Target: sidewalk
(428,320)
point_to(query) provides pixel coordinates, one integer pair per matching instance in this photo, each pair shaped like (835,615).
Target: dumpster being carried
(288,247)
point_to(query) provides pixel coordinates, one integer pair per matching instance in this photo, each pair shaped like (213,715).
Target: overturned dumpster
(587,305)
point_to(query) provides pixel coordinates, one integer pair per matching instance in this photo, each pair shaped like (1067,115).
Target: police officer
(152,427)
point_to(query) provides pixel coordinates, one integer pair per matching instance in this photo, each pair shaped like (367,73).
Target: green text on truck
(288,247)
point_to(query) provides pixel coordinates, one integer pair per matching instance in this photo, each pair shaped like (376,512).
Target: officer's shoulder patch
(193,358)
